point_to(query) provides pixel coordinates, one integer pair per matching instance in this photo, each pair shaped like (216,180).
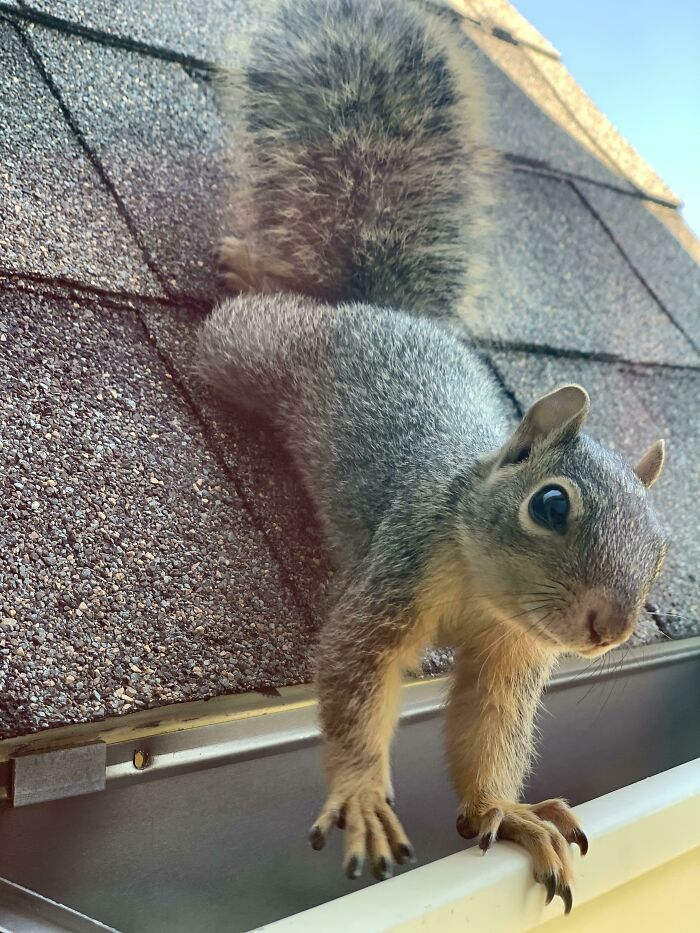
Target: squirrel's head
(561,535)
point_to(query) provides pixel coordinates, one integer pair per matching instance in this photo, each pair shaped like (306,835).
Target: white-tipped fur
(359,145)
(365,182)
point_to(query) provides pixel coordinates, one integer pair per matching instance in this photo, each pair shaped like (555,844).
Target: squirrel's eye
(549,507)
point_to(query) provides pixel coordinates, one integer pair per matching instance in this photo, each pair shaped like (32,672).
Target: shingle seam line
(61,286)
(93,158)
(67,289)
(606,156)
(584,200)
(197,65)
(591,356)
(215,449)
(544,169)
(95,161)
(661,618)
(27,14)
(212,445)
(490,28)
(503,383)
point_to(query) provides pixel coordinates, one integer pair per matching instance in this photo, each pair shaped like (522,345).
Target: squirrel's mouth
(596,651)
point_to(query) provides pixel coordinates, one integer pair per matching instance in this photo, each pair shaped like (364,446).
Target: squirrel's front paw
(371,829)
(544,829)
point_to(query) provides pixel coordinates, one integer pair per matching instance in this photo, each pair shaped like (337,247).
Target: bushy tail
(366,174)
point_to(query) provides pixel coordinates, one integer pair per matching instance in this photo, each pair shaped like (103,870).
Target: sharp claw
(405,853)
(316,838)
(382,868)
(486,842)
(581,839)
(565,894)
(391,800)
(550,883)
(353,869)
(465,828)
(340,821)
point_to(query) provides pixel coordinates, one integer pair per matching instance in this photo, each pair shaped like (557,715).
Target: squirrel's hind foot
(235,265)
(242,269)
(545,829)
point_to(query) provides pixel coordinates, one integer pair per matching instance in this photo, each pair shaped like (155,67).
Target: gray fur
(396,425)
(361,128)
(366,397)
(359,133)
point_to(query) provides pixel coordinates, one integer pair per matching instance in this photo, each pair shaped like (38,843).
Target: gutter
(641,873)
(200,812)
(153,744)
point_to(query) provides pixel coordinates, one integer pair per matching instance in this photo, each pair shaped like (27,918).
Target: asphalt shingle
(631,407)
(132,574)
(58,220)
(157,134)
(521,128)
(257,463)
(553,90)
(197,29)
(673,275)
(559,280)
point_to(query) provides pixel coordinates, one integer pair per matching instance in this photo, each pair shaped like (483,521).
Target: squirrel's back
(375,404)
(359,131)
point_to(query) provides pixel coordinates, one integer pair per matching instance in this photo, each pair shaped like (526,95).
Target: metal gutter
(280,728)
(204,827)
(644,657)
(243,738)
(644,838)
(25,911)
(159,743)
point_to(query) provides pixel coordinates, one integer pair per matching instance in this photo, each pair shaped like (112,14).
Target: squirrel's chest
(447,601)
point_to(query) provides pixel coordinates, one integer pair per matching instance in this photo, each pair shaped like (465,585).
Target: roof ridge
(547,82)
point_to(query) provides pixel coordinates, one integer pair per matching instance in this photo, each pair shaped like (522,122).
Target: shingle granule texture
(520,128)
(131,575)
(257,464)
(670,272)
(559,281)
(57,218)
(198,29)
(156,132)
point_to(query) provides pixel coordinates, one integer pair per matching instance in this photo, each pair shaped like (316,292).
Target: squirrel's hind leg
(235,265)
(242,268)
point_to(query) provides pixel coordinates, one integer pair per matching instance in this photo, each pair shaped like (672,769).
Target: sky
(640,64)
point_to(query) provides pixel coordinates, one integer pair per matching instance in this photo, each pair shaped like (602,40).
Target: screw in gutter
(142,758)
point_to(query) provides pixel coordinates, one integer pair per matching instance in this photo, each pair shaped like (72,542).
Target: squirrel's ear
(651,463)
(560,413)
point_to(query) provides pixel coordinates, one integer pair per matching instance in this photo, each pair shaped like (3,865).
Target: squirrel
(356,248)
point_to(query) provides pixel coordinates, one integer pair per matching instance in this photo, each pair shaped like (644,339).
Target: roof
(156,549)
